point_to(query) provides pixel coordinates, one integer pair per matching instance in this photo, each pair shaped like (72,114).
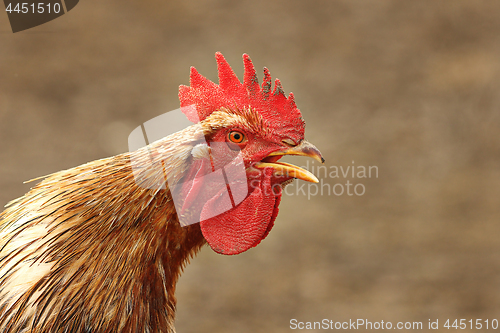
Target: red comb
(230,92)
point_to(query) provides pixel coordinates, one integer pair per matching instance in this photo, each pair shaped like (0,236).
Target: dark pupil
(236,136)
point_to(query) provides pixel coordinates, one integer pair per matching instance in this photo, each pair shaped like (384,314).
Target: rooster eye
(236,137)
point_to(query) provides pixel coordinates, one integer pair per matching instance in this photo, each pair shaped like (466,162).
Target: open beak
(303,149)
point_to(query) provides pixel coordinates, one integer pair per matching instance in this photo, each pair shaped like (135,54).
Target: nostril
(289,142)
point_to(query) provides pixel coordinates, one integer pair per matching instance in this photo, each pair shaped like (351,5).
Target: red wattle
(244,226)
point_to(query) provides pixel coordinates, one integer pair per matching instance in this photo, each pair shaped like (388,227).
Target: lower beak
(303,149)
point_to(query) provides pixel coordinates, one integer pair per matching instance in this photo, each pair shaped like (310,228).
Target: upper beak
(305,148)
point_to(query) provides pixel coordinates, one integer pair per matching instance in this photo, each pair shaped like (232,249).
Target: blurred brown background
(408,86)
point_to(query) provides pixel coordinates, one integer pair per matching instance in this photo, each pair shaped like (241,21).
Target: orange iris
(236,137)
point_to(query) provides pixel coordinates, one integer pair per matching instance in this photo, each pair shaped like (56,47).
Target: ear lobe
(215,182)
(192,188)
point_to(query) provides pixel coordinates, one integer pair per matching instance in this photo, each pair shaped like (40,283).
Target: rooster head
(246,127)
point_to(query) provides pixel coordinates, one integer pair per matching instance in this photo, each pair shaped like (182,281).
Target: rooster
(100,247)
